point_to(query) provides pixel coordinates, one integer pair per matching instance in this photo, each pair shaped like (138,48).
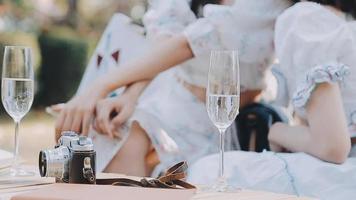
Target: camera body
(71,161)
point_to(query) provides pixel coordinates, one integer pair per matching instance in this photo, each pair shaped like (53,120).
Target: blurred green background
(63,35)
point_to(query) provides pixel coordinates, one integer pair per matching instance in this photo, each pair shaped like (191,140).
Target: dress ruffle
(320,74)
(167,17)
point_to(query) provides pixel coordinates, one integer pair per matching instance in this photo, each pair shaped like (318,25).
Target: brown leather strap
(176,172)
(112,181)
(171,179)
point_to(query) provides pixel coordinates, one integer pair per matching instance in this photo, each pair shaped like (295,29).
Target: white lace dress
(175,120)
(313,45)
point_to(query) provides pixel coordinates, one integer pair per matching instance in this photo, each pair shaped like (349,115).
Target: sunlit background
(63,35)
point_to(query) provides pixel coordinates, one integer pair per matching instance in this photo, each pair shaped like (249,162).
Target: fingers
(74,119)
(96,127)
(58,107)
(87,118)
(76,115)
(54,110)
(77,122)
(102,121)
(59,123)
(119,120)
(67,125)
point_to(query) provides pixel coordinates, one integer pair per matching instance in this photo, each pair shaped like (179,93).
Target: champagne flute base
(220,185)
(20,172)
(17,172)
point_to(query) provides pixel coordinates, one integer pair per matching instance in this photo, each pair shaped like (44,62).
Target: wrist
(99,89)
(131,95)
(135,90)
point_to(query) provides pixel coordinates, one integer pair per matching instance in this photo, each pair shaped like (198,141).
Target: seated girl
(316,57)
(316,48)
(172,117)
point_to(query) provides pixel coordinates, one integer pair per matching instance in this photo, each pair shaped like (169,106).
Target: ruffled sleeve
(167,17)
(333,72)
(312,45)
(248,26)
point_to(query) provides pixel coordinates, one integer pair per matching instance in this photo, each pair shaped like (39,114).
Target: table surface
(12,186)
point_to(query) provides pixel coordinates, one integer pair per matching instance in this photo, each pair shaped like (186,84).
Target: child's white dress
(175,120)
(313,45)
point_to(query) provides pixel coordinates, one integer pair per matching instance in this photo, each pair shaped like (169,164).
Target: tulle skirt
(291,173)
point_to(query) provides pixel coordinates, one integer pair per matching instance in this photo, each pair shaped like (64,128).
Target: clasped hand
(105,115)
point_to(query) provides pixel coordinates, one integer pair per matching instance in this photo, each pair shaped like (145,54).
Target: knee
(137,142)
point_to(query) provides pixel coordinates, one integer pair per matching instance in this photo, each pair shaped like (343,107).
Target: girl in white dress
(316,48)
(172,116)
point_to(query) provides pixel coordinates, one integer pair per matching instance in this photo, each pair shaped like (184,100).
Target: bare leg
(131,158)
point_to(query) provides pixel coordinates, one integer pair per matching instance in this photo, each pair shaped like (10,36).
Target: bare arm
(135,90)
(169,53)
(326,136)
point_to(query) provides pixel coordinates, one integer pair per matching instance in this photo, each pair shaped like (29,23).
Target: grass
(36,133)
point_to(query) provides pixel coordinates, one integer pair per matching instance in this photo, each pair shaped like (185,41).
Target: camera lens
(42,163)
(54,162)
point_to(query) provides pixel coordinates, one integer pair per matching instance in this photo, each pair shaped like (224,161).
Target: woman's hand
(111,113)
(77,114)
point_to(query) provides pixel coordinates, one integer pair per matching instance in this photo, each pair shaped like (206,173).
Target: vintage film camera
(71,161)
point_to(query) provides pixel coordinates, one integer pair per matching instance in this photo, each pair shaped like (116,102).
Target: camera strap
(173,179)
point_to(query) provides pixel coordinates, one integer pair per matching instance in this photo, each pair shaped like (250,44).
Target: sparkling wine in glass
(223,101)
(17,90)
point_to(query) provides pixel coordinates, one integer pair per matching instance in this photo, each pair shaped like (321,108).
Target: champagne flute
(17,90)
(223,101)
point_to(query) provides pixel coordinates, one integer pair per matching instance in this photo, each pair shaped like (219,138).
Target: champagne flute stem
(16,151)
(221,156)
